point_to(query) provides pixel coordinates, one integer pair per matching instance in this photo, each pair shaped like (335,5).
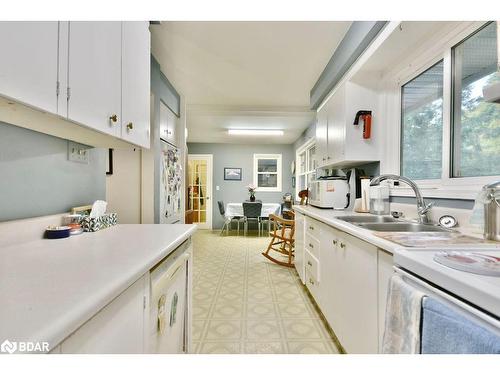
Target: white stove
(478,290)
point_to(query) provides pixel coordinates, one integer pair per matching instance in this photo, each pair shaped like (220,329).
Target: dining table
(236,209)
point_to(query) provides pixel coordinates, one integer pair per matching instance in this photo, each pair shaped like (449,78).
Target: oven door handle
(426,287)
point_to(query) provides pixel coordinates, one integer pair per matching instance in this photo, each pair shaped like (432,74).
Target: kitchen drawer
(312,285)
(312,244)
(312,265)
(313,227)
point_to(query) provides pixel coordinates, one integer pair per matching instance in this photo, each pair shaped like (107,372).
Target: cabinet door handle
(309,263)
(311,228)
(311,246)
(311,281)
(342,245)
(328,158)
(335,242)
(113,118)
(130,126)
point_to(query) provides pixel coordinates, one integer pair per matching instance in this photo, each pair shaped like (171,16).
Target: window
(267,172)
(422,125)
(450,137)
(305,166)
(475,123)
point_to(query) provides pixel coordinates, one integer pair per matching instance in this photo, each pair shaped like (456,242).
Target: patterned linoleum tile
(261,311)
(301,329)
(228,311)
(198,329)
(201,311)
(242,303)
(296,310)
(275,347)
(262,330)
(224,347)
(224,330)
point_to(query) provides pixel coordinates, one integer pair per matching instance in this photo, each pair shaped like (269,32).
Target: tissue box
(93,224)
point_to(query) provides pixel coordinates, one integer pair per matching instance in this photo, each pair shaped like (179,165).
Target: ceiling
(245,74)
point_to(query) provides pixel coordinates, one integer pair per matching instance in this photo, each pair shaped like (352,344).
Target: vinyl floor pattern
(243,303)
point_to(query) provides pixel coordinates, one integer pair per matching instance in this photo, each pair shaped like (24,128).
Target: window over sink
(450,136)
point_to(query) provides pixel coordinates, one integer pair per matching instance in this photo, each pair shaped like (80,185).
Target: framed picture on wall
(232,174)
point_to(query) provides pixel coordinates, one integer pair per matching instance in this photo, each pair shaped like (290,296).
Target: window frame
(303,149)
(424,69)
(447,186)
(279,174)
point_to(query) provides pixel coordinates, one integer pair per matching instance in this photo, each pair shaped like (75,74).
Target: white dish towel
(402,318)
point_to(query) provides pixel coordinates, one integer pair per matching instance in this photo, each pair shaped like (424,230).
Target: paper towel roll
(365,194)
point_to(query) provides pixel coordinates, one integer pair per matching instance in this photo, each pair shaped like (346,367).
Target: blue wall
(36,178)
(241,156)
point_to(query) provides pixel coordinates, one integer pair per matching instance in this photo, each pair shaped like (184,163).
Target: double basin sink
(389,224)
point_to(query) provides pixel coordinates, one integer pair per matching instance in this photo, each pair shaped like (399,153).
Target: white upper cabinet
(322,136)
(28,65)
(342,141)
(135,122)
(168,124)
(94,75)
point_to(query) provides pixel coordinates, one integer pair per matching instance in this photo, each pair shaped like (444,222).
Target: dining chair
(227,220)
(252,212)
(282,240)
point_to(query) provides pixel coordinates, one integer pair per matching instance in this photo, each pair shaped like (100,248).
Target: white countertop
(48,288)
(331,217)
(480,290)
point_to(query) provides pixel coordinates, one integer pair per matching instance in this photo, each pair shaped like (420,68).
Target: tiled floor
(243,303)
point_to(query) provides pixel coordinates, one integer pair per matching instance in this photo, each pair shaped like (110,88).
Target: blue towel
(445,331)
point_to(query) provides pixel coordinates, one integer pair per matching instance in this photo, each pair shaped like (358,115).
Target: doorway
(200,189)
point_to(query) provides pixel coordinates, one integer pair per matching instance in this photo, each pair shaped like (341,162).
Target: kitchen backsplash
(36,177)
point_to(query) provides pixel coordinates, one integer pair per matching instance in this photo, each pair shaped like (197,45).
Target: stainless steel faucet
(422,208)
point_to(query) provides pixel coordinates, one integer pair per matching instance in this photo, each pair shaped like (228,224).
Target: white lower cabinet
(117,329)
(299,245)
(385,272)
(342,276)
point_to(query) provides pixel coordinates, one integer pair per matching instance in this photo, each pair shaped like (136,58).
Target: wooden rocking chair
(282,239)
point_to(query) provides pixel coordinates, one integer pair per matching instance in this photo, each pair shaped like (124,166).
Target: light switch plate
(78,153)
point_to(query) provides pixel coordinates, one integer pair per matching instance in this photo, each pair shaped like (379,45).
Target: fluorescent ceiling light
(254,132)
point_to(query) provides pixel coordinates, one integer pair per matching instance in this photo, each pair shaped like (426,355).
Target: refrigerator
(170,184)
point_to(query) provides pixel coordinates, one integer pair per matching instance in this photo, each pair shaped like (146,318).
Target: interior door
(200,189)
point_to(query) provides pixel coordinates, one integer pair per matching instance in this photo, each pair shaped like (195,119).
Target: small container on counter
(379,200)
(55,232)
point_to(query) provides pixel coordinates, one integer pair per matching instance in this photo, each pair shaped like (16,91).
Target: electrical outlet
(78,153)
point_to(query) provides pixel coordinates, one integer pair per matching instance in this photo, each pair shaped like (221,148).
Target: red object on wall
(367,126)
(366,116)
